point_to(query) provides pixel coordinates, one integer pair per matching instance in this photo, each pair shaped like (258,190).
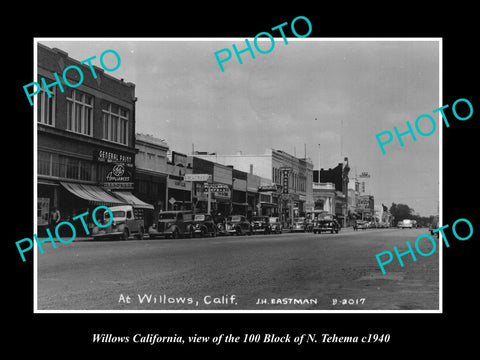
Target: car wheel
(214,233)
(204,232)
(175,234)
(125,234)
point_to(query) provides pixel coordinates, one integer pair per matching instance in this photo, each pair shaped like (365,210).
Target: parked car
(298,225)
(127,220)
(362,224)
(275,225)
(309,223)
(172,224)
(204,225)
(325,225)
(238,224)
(220,222)
(261,224)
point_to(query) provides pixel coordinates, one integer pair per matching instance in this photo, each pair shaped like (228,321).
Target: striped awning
(131,199)
(93,194)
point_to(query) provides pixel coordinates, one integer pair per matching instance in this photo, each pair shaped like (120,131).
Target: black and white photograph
(175,180)
(206,181)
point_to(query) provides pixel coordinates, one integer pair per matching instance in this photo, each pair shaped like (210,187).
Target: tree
(401,211)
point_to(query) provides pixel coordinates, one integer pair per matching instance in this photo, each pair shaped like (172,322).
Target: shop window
(60,166)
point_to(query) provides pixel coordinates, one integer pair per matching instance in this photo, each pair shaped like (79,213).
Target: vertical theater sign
(118,169)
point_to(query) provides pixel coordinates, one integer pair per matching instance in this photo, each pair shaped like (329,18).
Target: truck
(173,224)
(127,220)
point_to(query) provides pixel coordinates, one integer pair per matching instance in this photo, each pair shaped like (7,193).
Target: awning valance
(131,199)
(93,194)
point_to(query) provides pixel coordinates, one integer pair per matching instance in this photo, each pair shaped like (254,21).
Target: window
(115,123)
(46,107)
(43,163)
(64,167)
(80,113)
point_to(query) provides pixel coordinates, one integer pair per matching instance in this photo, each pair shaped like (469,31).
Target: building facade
(290,179)
(85,139)
(151,173)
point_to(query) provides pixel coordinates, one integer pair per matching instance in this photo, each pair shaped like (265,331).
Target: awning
(94,194)
(239,203)
(131,199)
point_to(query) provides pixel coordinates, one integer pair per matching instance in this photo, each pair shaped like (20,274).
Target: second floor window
(115,123)
(80,113)
(46,107)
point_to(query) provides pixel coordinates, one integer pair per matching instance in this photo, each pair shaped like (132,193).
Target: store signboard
(220,190)
(197,177)
(118,177)
(285,175)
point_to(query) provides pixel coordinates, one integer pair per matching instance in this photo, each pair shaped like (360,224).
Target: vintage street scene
(257,186)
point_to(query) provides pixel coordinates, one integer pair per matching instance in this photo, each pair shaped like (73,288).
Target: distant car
(204,225)
(238,224)
(298,225)
(405,224)
(331,225)
(261,224)
(275,225)
(362,225)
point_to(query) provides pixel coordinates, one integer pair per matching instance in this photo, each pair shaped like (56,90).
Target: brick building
(85,139)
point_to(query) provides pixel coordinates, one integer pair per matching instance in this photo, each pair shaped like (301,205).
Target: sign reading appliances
(118,171)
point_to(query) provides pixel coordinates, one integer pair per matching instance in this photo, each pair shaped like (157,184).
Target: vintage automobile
(204,225)
(237,224)
(309,225)
(261,224)
(275,225)
(362,224)
(127,220)
(172,224)
(405,224)
(220,224)
(324,225)
(298,225)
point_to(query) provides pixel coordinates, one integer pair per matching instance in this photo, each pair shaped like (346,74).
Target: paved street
(299,271)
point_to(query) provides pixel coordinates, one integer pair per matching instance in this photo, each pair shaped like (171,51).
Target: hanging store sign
(118,177)
(285,173)
(220,190)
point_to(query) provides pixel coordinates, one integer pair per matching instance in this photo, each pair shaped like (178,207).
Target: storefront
(178,193)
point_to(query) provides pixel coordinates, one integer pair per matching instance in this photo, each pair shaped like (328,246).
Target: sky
(311,91)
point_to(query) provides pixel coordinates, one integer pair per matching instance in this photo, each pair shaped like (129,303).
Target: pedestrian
(54,217)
